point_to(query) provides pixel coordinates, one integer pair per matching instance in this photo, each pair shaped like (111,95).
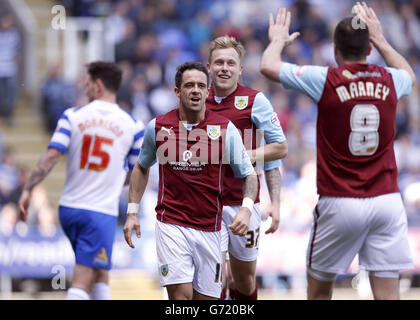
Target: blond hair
(225,42)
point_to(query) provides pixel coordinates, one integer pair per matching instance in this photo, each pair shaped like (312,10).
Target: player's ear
(370,48)
(176,90)
(99,86)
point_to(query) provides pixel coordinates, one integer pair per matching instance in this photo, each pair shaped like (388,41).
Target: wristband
(248,203)
(132,207)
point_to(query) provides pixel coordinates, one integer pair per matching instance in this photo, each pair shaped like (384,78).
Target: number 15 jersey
(355,126)
(102,141)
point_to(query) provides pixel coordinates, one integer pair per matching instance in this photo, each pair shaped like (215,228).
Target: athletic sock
(232,293)
(252,296)
(77,294)
(100,291)
(223,294)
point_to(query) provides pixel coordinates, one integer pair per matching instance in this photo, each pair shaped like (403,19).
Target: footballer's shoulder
(244,90)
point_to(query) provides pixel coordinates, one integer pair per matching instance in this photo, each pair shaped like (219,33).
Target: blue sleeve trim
(139,135)
(64,117)
(57,146)
(65,131)
(134,152)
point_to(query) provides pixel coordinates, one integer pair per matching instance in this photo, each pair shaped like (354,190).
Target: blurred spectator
(116,22)
(1,145)
(9,175)
(47,224)
(162,99)
(9,216)
(124,50)
(139,99)
(9,55)
(57,96)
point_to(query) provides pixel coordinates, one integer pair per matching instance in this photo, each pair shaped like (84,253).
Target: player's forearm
(271,61)
(250,186)
(273,179)
(138,183)
(269,152)
(48,160)
(392,57)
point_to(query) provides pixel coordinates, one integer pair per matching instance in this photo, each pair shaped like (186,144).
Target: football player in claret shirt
(252,113)
(191,145)
(360,210)
(99,139)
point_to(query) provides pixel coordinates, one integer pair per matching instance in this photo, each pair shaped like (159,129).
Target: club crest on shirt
(164,269)
(213,132)
(102,257)
(241,102)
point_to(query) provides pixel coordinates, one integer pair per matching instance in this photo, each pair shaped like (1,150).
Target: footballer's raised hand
(368,16)
(278,29)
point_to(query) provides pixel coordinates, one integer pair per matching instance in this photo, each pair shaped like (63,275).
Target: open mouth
(224,76)
(195,100)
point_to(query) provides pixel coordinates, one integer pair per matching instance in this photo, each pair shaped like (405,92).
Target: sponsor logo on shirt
(275,120)
(187,155)
(167,130)
(360,74)
(241,102)
(298,71)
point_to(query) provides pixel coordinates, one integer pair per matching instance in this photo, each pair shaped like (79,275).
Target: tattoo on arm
(43,168)
(273,179)
(250,186)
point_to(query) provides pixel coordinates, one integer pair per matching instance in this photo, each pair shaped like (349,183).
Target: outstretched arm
(240,222)
(278,35)
(269,152)
(391,56)
(48,160)
(138,182)
(273,179)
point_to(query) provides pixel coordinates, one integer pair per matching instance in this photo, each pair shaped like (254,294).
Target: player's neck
(190,116)
(344,62)
(352,62)
(107,97)
(220,92)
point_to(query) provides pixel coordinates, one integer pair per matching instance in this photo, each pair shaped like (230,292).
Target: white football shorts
(189,255)
(375,228)
(242,248)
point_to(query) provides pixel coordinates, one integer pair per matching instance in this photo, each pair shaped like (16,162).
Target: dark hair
(189,66)
(108,72)
(352,41)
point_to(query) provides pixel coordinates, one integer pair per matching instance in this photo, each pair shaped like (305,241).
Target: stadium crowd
(151,38)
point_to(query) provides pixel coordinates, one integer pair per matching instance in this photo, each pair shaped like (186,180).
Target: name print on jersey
(109,125)
(361,89)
